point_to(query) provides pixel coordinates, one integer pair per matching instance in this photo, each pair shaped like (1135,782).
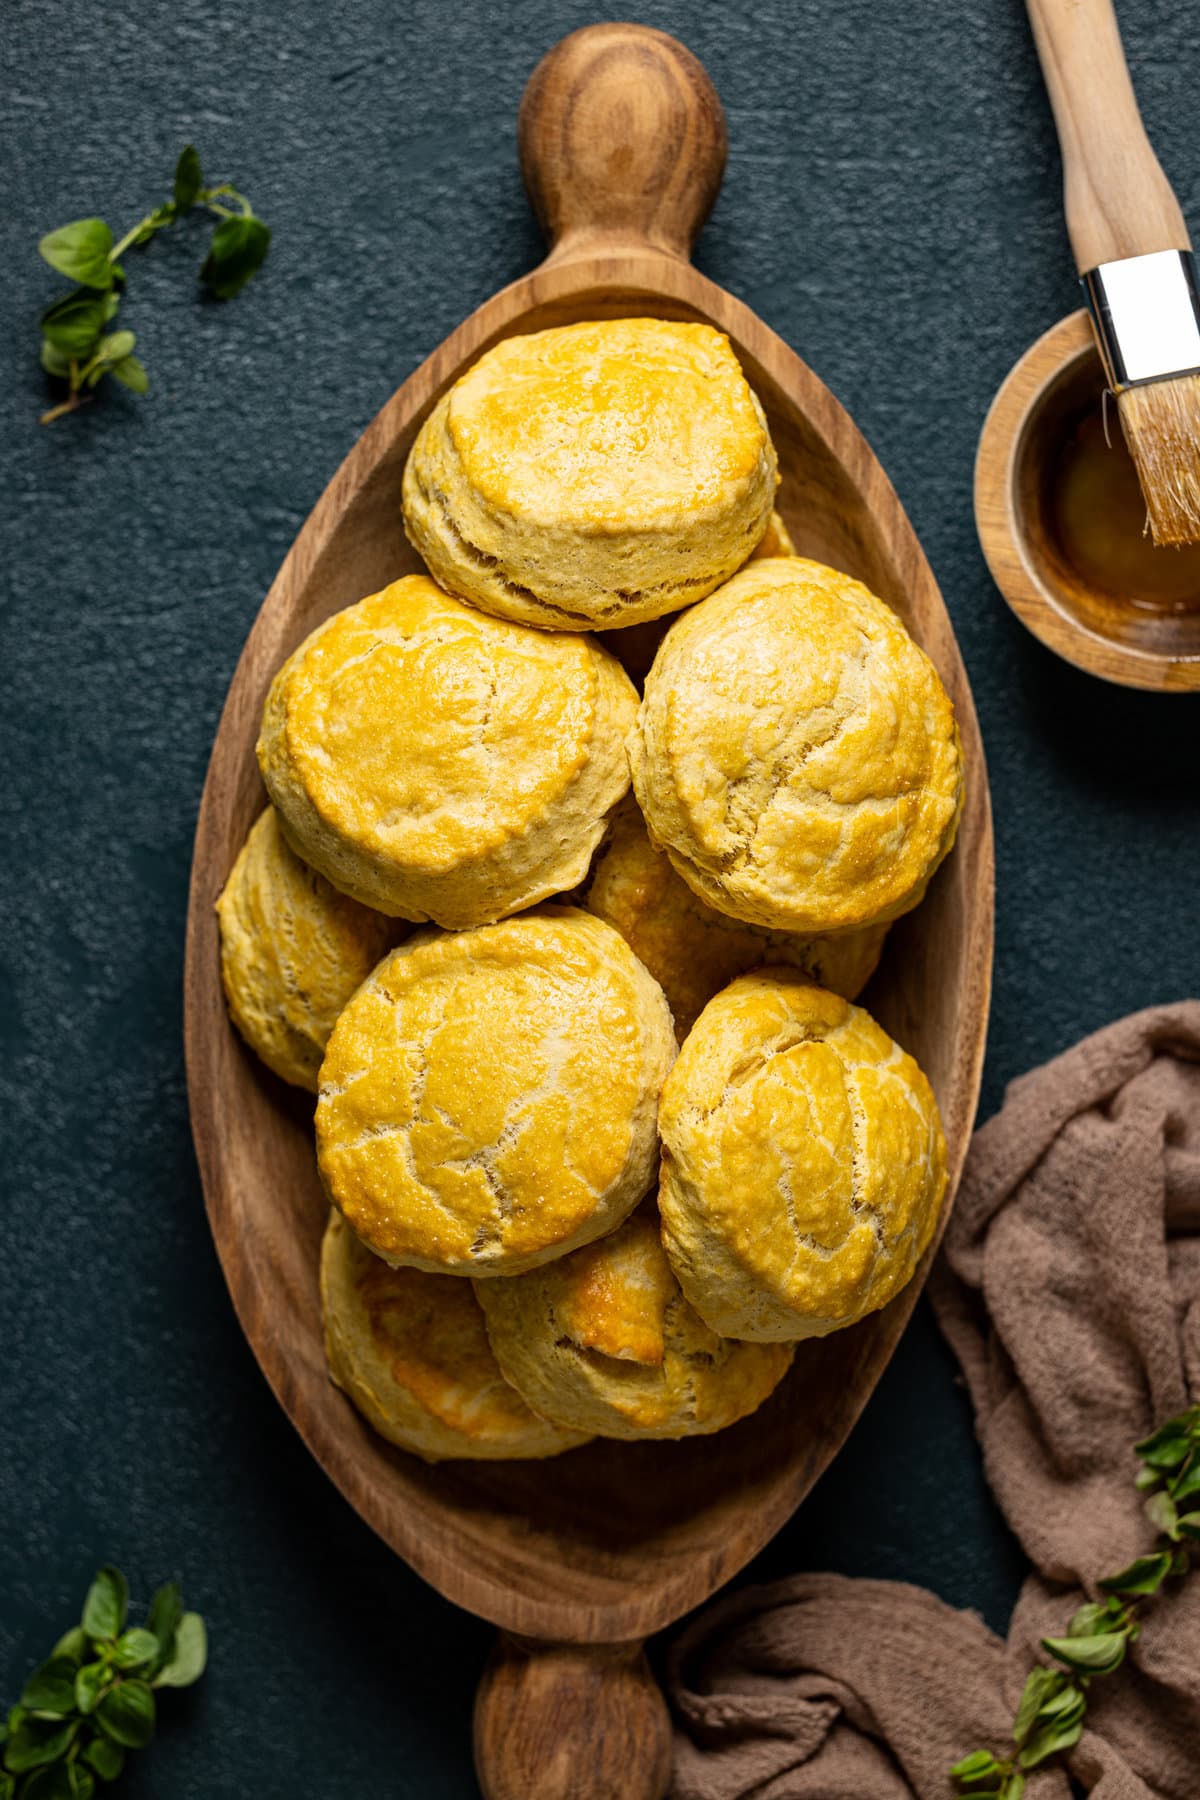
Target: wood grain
(1134,645)
(614,1541)
(527,1732)
(1117,200)
(622,141)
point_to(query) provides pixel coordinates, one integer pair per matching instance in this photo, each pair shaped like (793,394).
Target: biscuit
(411,1352)
(776,541)
(803,1165)
(488,1098)
(437,764)
(693,951)
(795,754)
(635,646)
(592,475)
(603,1341)
(293,950)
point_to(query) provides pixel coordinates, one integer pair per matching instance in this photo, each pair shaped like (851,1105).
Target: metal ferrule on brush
(1146,312)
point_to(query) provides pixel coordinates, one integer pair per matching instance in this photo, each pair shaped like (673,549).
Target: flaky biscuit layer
(592,475)
(604,1341)
(796,754)
(803,1166)
(411,1351)
(692,950)
(435,763)
(488,1099)
(293,950)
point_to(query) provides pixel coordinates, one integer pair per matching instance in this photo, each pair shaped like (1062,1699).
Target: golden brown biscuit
(693,951)
(803,1166)
(635,646)
(410,1350)
(593,474)
(488,1098)
(796,755)
(293,950)
(437,764)
(603,1341)
(776,541)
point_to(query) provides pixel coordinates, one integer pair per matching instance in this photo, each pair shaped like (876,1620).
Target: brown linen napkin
(1069,1289)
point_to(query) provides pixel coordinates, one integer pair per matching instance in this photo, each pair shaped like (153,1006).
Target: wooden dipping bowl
(578,1559)
(1091,608)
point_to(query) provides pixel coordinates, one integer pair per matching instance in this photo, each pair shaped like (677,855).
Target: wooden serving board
(580,1558)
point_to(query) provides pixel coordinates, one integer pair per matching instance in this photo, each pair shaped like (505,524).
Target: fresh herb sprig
(1050,1717)
(92,1700)
(78,346)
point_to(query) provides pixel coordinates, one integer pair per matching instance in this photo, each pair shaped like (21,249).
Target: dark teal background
(891,207)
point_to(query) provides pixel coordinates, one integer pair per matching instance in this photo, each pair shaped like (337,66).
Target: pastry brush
(1133,255)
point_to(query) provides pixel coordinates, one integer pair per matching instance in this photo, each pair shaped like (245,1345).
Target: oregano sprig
(78,346)
(1050,1717)
(92,1700)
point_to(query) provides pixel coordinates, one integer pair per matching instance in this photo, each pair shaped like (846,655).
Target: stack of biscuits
(570,968)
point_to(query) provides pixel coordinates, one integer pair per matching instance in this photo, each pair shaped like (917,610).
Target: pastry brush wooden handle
(571,1722)
(622,142)
(1118,201)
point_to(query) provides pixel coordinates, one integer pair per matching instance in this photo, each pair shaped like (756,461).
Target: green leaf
(1167,1447)
(1163,1514)
(106,1604)
(1145,1575)
(35,1743)
(126,1714)
(107,1758)
(1047,1741)
(1181,1562)
(1040,1687)
(64,1781)
(1089,1620)
(80,252)
(976,1766)
(73,1644)
(238,250)
(188,179)
(135,1649)
(51,1689)
(1098,1655)
(1189,1525)
(74,323)
(55,363)
(1147,1478)
(90,1682)
(116,345)
(166,1608)
(1064,1708)
(1016,1786)
(8,1786)
(190,1654)
(1186,1480)
(130,373)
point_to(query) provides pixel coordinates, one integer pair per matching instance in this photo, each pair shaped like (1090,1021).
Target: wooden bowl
(1096,616)
(622,145)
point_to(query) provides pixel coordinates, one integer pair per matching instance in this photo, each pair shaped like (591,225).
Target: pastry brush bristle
(1161,421)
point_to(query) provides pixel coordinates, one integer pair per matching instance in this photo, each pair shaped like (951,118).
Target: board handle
(622,141)
(570,1722)
(1117,200)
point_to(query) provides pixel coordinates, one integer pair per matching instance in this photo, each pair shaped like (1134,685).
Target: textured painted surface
(891,207)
